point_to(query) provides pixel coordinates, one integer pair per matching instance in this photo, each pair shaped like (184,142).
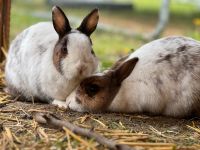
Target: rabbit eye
(92,89)
(64,49)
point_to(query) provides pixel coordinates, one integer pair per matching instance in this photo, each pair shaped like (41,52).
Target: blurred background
(124,25)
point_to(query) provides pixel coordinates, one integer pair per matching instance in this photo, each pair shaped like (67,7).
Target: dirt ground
(18,129)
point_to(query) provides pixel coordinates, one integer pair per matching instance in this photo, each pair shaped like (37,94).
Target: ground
(19,130)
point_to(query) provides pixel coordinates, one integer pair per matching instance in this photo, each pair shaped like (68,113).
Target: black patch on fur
(167,57)
(181,48)
(159,83)
(17,43)
(42,49)
(60,53)
(142,81)
(180,61)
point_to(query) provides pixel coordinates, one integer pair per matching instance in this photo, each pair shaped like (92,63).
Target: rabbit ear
(124,70)
(60,21)
(89,23)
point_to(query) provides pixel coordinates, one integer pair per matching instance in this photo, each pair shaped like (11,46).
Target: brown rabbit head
(96,92)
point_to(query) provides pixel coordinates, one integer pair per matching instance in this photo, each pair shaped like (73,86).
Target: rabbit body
(166,79)
(48,64)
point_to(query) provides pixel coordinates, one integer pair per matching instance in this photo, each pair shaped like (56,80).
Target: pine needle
(193,128)
(78,138)
(101,123)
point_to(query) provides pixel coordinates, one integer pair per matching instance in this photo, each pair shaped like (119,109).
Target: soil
(18,129)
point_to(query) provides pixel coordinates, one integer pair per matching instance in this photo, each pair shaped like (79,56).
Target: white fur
(139,93)
(32,72)
(59,103)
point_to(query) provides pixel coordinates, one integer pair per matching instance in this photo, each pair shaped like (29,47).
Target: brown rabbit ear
(124,70)
(89,23)
(60,21)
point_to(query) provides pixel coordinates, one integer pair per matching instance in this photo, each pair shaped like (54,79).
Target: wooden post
(1,24)
(4,27)
(162,21)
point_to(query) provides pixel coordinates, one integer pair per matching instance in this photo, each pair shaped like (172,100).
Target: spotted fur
(48,60)
(165,81)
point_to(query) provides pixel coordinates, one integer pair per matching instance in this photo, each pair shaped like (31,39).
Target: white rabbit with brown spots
(160,78)
(48,60)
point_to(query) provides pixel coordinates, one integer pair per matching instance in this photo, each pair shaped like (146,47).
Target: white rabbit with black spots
(48,60)
(160,78)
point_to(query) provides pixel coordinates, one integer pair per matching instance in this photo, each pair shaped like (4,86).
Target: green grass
(176,8)
(108,46)
(21,17)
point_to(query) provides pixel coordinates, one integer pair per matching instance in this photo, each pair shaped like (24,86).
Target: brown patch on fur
(125,69)
(89,23)
(99,101)
(97,92)
(60,52)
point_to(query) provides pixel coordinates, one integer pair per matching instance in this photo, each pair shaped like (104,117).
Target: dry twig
(53,121)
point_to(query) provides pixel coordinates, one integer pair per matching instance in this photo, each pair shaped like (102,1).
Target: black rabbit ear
(124,70)
(60,21)
(89,23)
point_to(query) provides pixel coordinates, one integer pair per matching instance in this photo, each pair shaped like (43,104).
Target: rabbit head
(96,92)
(73,55)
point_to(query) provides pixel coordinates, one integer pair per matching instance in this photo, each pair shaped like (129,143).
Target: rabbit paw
(59,103)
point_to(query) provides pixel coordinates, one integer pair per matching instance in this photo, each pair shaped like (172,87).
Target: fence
(5,6)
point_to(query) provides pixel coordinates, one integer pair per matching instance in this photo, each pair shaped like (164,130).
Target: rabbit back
(166,79)
(25,62)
